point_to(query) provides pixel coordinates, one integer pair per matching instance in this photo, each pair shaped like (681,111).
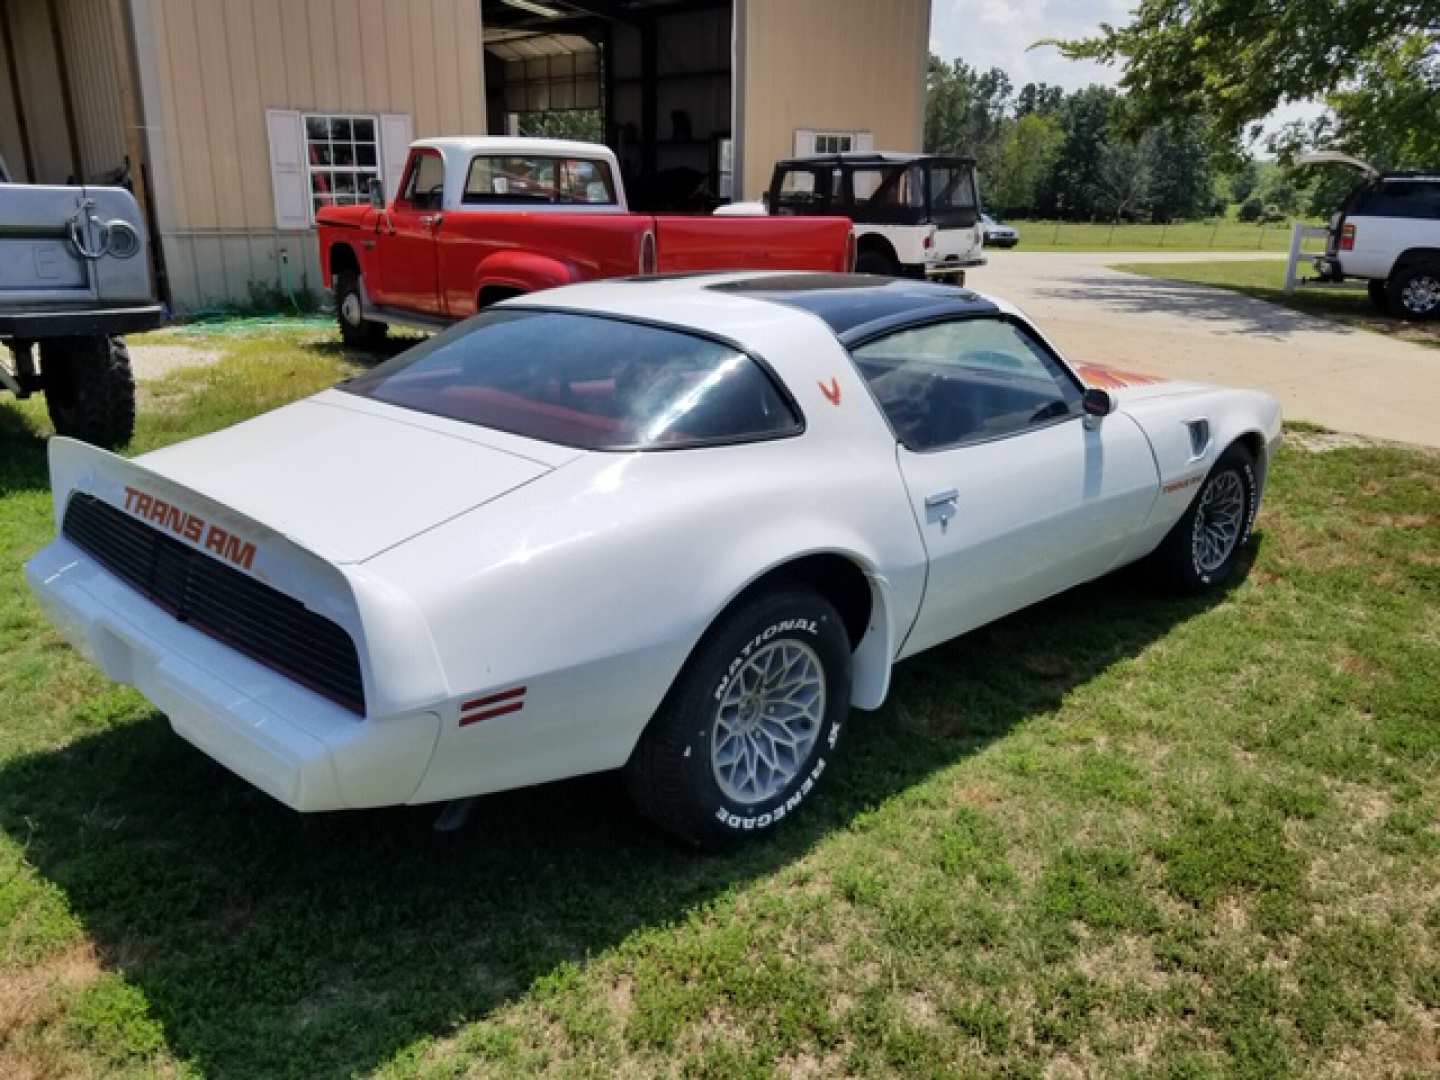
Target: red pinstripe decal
(488,714)
(492,699)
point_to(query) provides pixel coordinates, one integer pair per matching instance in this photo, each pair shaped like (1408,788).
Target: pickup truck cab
(477,220)
(915,215)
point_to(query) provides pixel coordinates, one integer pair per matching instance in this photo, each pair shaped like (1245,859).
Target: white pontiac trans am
(676,526)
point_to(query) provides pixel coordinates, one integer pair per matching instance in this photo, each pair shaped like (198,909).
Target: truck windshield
(587,381)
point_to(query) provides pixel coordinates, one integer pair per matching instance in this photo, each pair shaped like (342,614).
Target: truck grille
(249,616)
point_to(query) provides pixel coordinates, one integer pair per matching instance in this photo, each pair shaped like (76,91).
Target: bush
(1251,209)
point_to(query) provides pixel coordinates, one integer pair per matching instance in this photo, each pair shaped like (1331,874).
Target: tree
(1244,180)
(1028,151)
(965,112)
(1123,181)
(582,124)
(1070,188)
(1233,61)
(1181,183)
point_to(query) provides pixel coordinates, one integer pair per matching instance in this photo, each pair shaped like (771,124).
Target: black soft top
(865,157)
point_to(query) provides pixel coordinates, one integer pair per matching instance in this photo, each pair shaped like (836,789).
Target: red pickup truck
(476,220)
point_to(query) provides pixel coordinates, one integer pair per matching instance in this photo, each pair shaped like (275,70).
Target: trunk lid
(349,482)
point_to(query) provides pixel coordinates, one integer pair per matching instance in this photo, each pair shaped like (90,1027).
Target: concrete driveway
(1325,372)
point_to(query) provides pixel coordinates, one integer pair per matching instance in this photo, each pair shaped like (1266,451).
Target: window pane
(342,154)
(952,187)
(344,183)
(427,182)
(364,154)
(319,153)
(580,380)
(364,130)
(340,128)
(321,183)
(965,380)
(316,127)
(586,182)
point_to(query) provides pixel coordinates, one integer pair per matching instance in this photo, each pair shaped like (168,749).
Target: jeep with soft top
(914,215)
(74,276)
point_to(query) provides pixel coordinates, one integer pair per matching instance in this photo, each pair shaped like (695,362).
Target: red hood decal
(1109,378)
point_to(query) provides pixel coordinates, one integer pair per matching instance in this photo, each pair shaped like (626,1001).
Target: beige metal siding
(829,65)
(93,60)
(219,64)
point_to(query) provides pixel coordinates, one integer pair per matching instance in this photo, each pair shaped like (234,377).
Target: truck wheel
(749,728)
(355,330)
(1414,291)
(89,389)
(873,261)
(1379,298)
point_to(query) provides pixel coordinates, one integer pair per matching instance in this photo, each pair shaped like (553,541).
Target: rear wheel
(876,260)
(357,331)
(1204,547)
(750,726)
(89,389)
(1379,298)
(1414,291)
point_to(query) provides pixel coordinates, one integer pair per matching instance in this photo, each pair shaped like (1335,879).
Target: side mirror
(1097,403)
(376,191)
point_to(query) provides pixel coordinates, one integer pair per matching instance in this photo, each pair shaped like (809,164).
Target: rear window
(526,179)
(1397,199)
(585,381)
(952,187)
(803,191)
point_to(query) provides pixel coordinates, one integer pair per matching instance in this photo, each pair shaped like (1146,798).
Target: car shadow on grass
(23,462)
(267,942)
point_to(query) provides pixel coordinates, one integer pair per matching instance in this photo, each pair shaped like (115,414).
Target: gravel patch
(152,361)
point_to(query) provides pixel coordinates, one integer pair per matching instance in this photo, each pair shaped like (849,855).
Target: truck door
(408,237)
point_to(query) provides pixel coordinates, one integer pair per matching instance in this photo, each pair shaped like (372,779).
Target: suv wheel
(89,389)
(744,736)
(355,330)
(1414,291)
(1379,297)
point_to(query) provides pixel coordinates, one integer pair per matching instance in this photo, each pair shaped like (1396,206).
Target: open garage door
(653,79)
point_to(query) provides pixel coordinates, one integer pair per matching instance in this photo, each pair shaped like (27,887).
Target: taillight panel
(1347,236)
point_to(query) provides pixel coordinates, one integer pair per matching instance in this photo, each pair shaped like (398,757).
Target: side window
(966,380)
(1401,199)
(802,190)
(425,187)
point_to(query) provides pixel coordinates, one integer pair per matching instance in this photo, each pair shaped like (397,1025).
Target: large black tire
(1379,296)
(89,389)
(1206,544)
(1414,290)
(673,775)
(355,330)
(877,261)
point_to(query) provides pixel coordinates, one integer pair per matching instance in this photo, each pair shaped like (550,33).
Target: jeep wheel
(749,728)
(89,389)
(1414,291)
(875,261)
(356,331)
(1379,298)
(1204,547)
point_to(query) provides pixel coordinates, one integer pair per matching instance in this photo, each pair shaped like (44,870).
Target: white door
(1016,497)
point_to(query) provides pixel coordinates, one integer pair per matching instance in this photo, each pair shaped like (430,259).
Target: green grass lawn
(1121,834)
(1181,236)
(1265,280)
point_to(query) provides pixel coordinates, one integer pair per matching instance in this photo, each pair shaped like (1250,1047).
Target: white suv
(1388,233)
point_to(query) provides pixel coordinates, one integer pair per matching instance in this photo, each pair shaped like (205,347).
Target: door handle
(942,506)
(431,221)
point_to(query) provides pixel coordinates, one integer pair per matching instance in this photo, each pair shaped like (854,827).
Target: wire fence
(1219,234)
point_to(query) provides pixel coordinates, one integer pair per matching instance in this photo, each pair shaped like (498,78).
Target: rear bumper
(81,322)
(297,747)
(951,266)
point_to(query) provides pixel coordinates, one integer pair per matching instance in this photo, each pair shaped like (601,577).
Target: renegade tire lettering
(770,817)
(230,547)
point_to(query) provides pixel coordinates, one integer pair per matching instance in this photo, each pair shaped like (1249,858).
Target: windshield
(585,381)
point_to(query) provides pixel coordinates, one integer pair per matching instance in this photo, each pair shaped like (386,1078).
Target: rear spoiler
(1336,157)
(190,517)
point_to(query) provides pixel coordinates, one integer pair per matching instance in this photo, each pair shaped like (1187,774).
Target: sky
(998,33)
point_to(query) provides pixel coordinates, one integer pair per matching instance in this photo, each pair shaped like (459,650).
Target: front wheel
(355,330)
(1205,545)
(1414,291)
(89,389)
(751,726)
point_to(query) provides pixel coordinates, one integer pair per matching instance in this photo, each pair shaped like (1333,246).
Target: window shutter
(864,141)
(396,134)
(804,142)
(287,168)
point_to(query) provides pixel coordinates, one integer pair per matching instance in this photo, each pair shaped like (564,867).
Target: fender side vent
(1199,436)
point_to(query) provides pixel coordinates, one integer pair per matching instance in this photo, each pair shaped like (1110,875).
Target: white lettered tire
(751,727)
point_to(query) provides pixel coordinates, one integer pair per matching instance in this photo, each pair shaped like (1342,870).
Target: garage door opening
(653,79)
